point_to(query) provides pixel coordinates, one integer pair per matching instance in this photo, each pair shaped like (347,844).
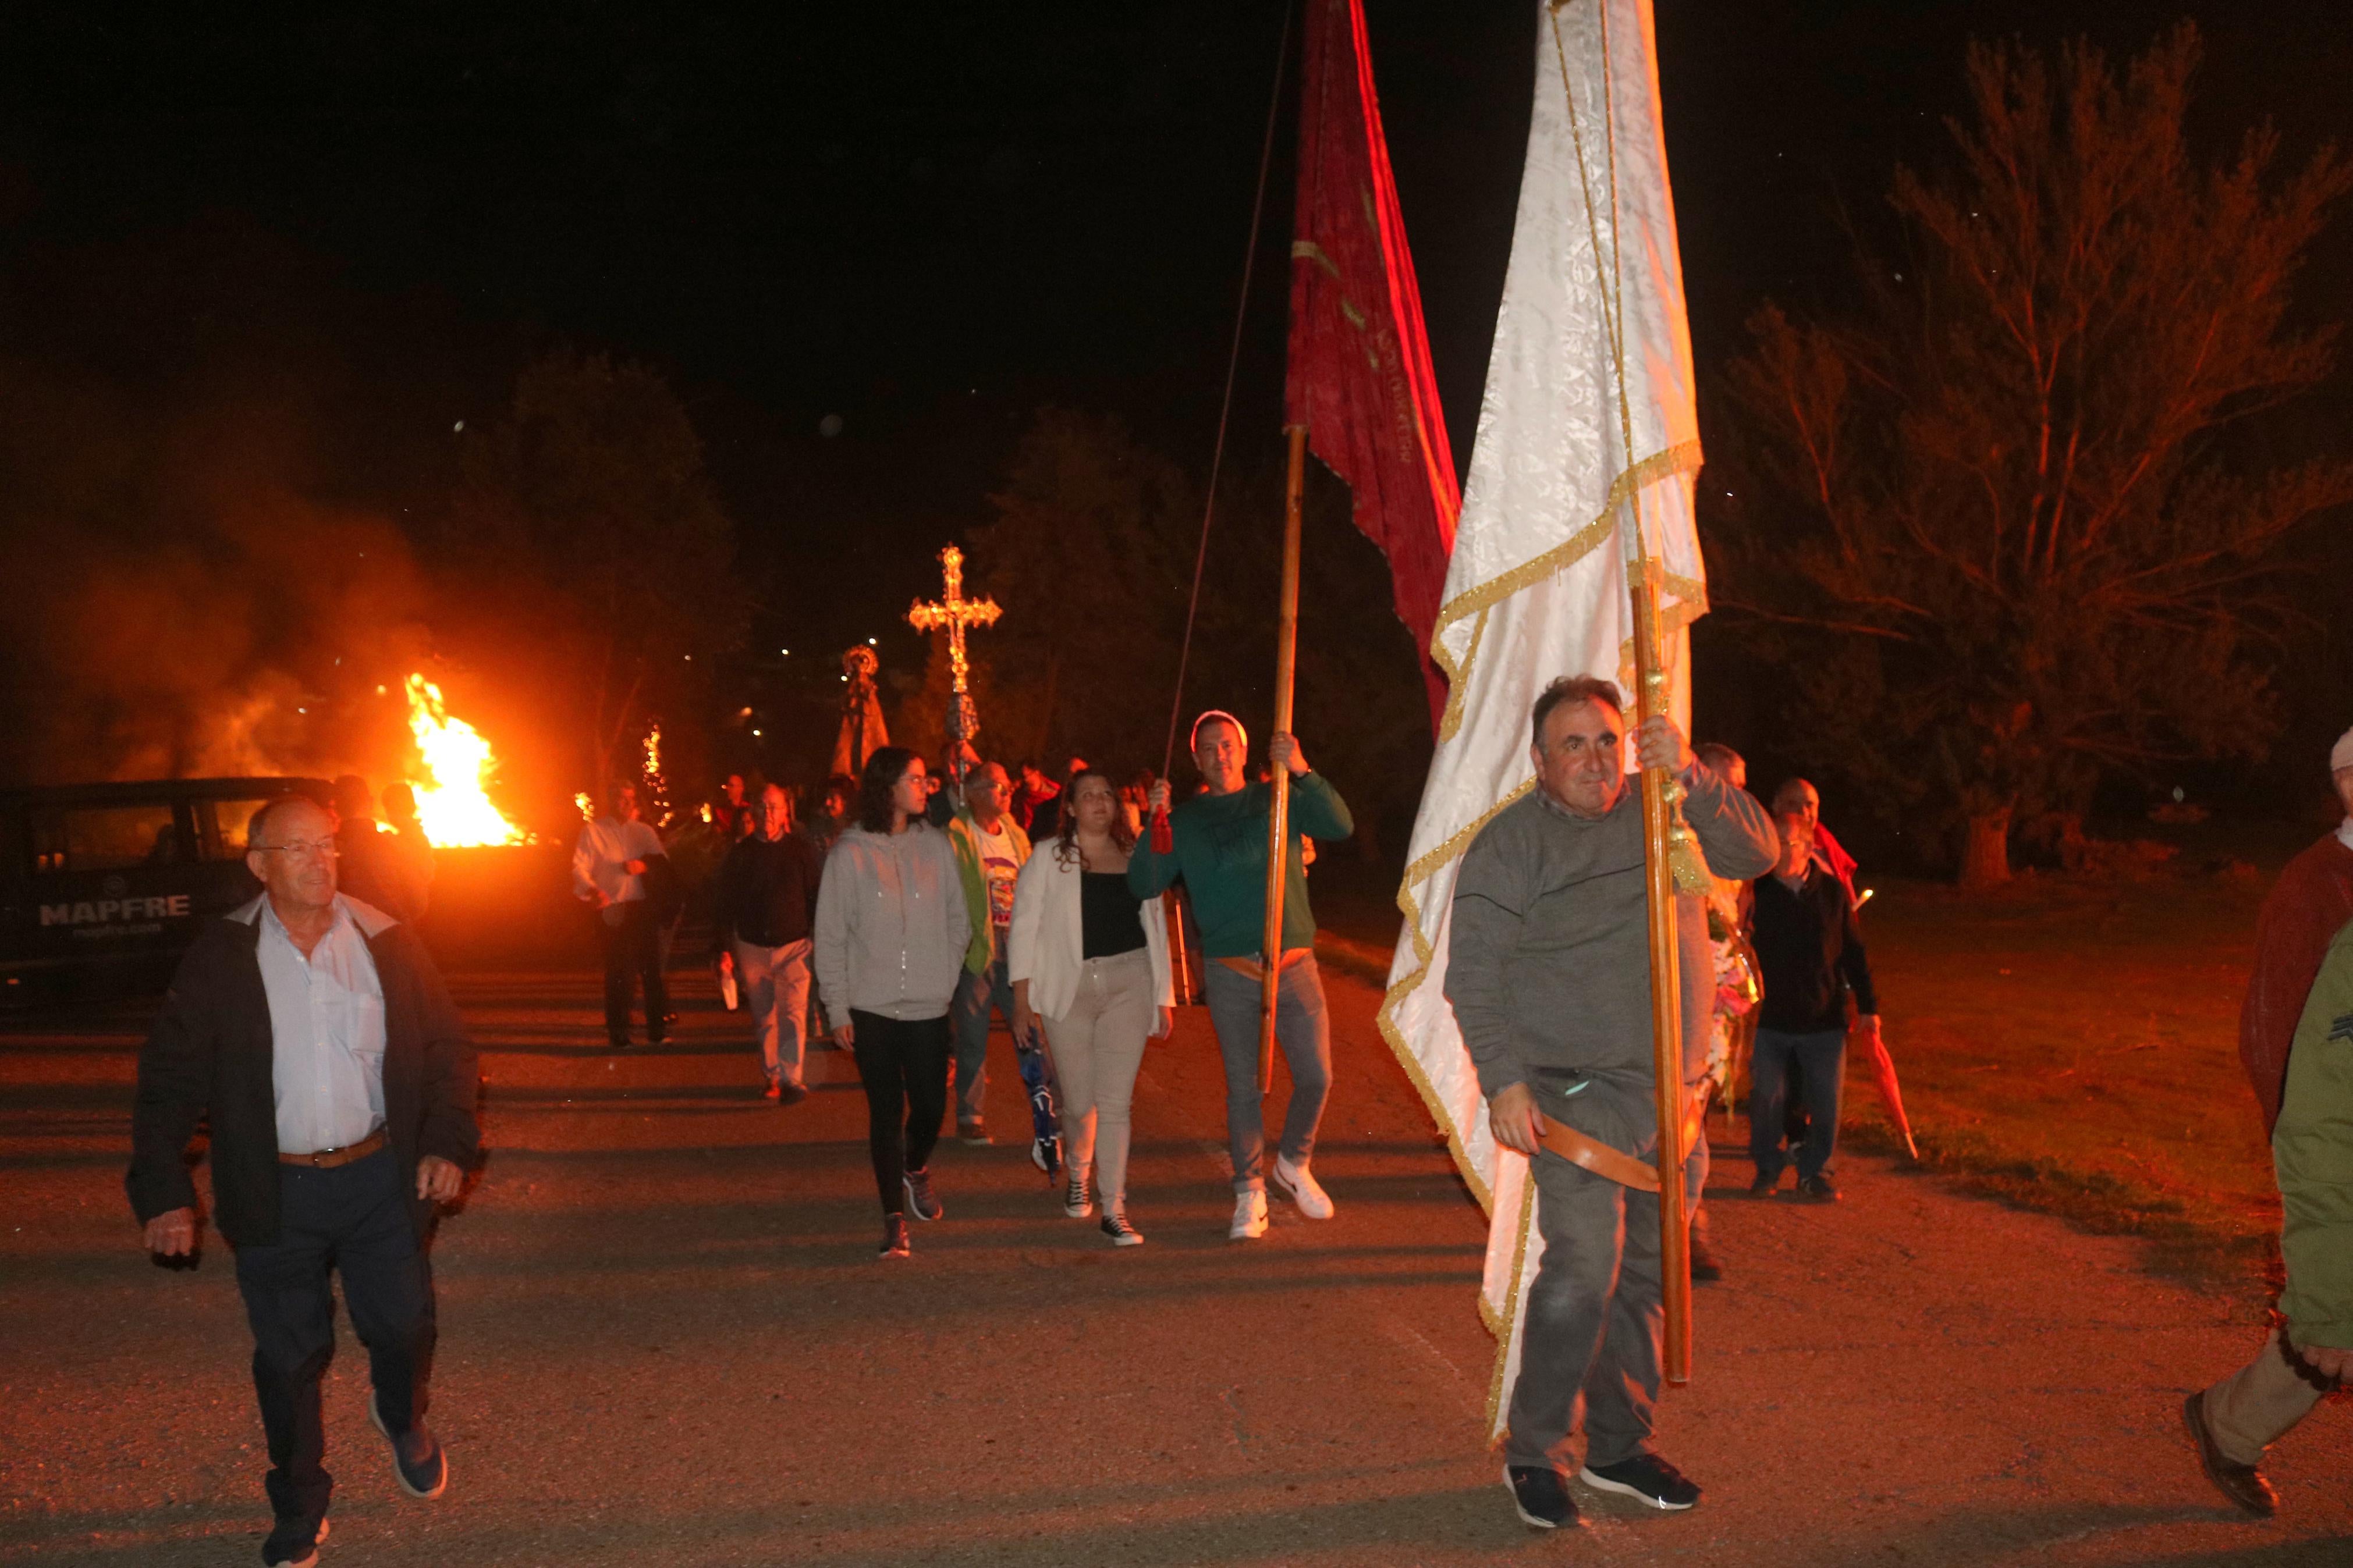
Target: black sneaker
(791,1093)
(293,1543)
(417,1462)
(1704,1265)
(921,1199)
(1538,1493)
(1645,1476)
(1763,1185)
(895,1236)
(1122,1233)
(1817,1190)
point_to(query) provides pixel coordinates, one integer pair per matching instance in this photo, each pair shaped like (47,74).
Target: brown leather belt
(328,1159)
(1255,968)
(1614,1164)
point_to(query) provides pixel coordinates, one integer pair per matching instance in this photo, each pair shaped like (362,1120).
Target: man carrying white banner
(1550,983)
(1576,555)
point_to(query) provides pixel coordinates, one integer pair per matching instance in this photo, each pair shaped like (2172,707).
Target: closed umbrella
(1883,1075)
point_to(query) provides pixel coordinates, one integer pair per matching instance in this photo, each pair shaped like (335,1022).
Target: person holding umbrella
(1810,950)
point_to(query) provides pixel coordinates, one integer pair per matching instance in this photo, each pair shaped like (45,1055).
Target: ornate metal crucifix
(953,612)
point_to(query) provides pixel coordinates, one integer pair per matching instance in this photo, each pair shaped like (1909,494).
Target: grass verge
(2068,1045)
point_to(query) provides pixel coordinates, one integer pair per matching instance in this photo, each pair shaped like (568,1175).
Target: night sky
(924,222)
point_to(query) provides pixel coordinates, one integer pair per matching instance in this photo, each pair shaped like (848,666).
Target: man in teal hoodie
(1220,851)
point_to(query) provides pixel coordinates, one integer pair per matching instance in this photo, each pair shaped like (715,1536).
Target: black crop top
(1110,918)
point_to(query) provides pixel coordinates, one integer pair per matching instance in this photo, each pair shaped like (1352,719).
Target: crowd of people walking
(903,918)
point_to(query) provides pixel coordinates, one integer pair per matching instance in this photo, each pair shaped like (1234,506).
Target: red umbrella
(1883,1075)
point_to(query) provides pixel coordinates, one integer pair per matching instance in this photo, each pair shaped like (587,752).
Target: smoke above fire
(248,643)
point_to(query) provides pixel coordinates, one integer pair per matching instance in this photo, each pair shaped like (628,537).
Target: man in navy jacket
(316,1034)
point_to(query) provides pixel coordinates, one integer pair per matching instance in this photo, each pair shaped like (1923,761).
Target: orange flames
(450,798)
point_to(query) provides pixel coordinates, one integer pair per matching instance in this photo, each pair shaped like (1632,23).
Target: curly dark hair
(1569,691)
(881,773)
(1066,843)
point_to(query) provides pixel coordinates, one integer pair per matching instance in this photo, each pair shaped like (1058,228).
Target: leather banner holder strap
(328,1159)
(1594,1155)
(1614,1164)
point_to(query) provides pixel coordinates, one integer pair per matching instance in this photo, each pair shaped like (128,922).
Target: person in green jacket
(1219,848)
(990,849)
(2310,1349)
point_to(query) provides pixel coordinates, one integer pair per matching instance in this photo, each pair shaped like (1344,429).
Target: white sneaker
(1299,1184)
(1249,1217)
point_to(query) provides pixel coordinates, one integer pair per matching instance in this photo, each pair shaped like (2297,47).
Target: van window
(222,823)
(105,837)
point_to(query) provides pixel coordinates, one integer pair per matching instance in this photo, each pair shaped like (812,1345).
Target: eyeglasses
(302,848)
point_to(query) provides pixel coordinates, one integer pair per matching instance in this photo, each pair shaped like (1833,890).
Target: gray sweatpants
(1593,1321)
(1303,1031)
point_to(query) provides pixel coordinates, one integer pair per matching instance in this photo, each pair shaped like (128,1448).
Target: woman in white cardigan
(1090,961)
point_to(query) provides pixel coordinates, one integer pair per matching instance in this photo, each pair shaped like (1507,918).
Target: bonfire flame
(457,765)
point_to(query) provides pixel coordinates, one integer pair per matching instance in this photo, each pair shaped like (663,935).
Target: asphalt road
(666,1340)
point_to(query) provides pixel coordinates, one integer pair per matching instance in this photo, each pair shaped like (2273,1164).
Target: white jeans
(1097,1048)
(776,984)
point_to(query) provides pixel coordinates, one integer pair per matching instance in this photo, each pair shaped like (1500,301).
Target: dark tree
(1089,552)
(2007,519)
(589,516)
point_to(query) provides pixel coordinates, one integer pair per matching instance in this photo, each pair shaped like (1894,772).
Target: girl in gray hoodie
(891,929)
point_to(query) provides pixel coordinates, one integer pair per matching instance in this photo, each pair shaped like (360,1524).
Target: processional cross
(953,612)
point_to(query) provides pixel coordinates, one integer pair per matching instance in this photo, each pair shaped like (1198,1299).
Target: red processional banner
(1359,375)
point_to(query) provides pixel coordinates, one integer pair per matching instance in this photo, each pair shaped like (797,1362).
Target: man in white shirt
(990,849)
(609,867)
(314,1033)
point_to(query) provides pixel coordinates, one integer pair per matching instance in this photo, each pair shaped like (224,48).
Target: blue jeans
(354,1220)
(977,996)
(1303,1031)
(1819,1061)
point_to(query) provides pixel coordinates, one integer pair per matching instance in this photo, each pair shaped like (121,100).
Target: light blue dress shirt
(326,1030)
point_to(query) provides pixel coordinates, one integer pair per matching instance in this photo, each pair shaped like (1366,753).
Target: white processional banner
(1590,339)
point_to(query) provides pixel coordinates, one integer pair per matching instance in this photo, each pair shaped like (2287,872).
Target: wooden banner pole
(1660,792)
(1278,819)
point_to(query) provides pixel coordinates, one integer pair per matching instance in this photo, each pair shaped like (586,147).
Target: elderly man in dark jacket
(314,1032)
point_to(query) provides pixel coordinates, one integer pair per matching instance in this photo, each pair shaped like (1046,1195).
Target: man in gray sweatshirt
(1550,978)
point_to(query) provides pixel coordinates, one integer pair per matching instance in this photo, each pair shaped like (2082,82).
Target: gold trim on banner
(1308,250)
(1510,1308)
(1453,721)
(1677,459)
(1681,458)
(1420,872)
(1691,596)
